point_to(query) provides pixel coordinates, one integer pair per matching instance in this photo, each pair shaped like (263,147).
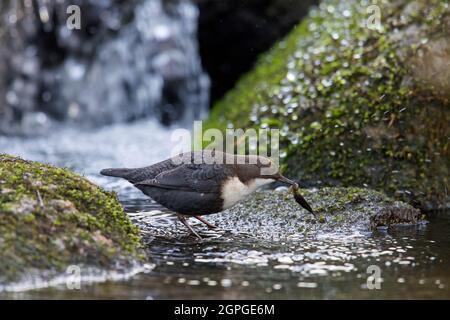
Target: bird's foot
(209,225)
(191,230)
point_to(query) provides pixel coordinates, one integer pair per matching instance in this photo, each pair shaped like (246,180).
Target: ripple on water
(262,255)
(330,254)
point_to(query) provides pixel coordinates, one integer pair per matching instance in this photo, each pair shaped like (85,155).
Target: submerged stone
(52,219)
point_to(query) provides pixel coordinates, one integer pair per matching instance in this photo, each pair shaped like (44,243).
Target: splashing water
(138,144)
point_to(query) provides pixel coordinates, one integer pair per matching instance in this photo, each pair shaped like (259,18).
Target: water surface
(230,263)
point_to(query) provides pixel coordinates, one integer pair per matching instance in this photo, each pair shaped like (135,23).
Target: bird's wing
(141,174)
(205,178)
(150,172)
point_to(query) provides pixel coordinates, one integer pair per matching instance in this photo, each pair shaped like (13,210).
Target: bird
(198,183)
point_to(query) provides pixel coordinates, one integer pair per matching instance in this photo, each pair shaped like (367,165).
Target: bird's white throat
(233,190)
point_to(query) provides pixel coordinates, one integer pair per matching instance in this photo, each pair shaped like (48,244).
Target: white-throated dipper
(204,182)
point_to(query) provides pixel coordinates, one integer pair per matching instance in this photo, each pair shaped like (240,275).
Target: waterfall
(130,59)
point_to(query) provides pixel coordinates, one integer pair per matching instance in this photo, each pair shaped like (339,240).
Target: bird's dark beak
(286,180)
(301,201)
(298,197)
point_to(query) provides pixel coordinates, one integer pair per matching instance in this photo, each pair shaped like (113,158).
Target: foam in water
(89,276)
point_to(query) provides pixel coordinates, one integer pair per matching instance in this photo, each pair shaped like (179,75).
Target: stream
(229,263)
(78,96)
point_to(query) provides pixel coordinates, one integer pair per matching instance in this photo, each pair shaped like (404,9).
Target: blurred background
(165,59)
(110,92)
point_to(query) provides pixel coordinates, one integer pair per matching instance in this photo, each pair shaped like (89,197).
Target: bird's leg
(183,221)
(201,219)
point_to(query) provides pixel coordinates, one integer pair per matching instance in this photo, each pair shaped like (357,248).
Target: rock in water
(51,218)
(276,215)
(356,104)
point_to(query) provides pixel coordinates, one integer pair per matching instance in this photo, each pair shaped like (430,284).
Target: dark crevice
(233,33)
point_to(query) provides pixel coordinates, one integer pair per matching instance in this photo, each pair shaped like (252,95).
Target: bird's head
(269,170)
(258,171)
(265,168)
(262,169)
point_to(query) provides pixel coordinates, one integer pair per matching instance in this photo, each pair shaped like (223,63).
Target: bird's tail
(116,172)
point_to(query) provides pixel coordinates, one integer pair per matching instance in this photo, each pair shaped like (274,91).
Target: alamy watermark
(73,277)
(374,280)
(374,16)
(74,19)
(73,14)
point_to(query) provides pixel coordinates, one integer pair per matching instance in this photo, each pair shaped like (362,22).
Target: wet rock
(275,215)
(51,218)
(270,217)
(394,214)
(357,103)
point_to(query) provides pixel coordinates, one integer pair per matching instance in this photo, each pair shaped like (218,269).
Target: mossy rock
(51,218)
(357,106)
(275,215)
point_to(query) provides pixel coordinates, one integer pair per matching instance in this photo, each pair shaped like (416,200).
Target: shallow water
(413,262)
(230,263)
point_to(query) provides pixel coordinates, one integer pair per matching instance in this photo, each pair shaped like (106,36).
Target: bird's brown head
(251,169)
(269,170)
(259,167)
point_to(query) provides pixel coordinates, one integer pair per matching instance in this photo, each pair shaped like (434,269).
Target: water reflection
(228,265)
(412,264)
(247,257)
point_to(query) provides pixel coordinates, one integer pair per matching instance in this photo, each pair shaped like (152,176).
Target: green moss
(268,215)
(51,218)
(352,104)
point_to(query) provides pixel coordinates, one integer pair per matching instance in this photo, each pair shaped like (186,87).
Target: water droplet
(226,283)
(274,109)
(264,108)
(316,125)
(291,76)
(12,18)
(327,82)
(161,32)
(335,35)
(277,286)
(310,285)
(329,58)
(286,260)
(193,282)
